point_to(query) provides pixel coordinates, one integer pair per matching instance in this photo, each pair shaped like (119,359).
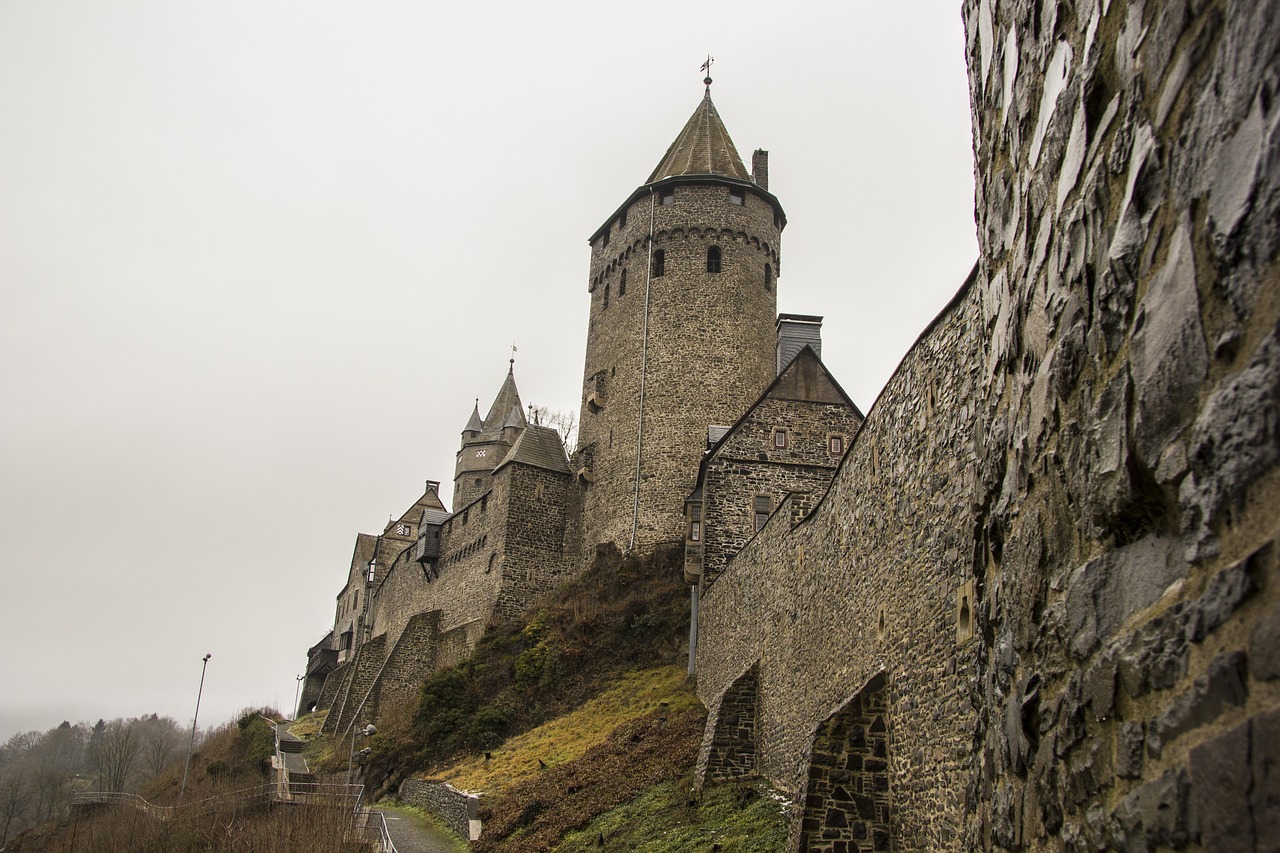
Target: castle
(1032,599)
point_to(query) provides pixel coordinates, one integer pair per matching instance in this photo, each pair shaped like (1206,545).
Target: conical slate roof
(507,398)
(515,419)
(702,148)
(474,424)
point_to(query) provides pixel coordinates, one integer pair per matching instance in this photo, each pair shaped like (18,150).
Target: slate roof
(540,447)
(435,516)
(702,148)
(515,419)
(474,424)
(507,397)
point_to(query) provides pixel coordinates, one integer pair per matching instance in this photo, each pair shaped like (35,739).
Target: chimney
(760,168)
(795,331)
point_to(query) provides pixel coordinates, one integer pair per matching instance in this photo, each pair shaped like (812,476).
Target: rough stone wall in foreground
(1082,449)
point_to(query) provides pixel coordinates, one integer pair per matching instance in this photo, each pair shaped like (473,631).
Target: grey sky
(258,258)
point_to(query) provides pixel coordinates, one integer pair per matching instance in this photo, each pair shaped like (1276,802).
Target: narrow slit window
(659,263)
(768,277)
(713,259)
(622,284)
(606,294)
(695,531)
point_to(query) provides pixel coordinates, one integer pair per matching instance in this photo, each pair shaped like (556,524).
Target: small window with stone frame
(713,259)
(668,197)
(781,439)
(761,509)
(659,263)
(835,444)
(737,195)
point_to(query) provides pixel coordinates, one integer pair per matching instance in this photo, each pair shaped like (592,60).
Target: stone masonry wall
(457,809)
(534,560)
(748,464)
(730,748)
(710,352)
(1055,530)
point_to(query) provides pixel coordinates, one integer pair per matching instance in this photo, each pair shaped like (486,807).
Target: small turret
(474,426)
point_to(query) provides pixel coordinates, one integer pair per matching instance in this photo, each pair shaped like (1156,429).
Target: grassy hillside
(579,726)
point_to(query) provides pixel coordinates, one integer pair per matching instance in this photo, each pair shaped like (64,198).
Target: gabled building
(787,445)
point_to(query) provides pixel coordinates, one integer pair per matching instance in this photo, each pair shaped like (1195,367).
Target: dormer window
(659,263)
(713,259)
(737,195)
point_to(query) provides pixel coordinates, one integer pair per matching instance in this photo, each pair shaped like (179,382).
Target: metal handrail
(388,846)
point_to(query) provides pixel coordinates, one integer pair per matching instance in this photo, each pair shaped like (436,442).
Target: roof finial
(706,66)
(513,354)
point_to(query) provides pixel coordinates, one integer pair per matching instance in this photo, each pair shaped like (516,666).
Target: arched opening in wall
(732,753)
(713,259)
(659,263)
(847,800)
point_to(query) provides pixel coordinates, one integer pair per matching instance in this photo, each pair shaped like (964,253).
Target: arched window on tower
(713,259)
(768,277)
(622,284)
(659,263)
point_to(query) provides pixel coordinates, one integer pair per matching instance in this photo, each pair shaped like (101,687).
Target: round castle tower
(681,335)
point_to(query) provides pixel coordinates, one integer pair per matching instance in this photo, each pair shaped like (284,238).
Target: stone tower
(486,442)
(683,300)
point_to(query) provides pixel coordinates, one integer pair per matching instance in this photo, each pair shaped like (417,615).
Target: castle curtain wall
(1055,531)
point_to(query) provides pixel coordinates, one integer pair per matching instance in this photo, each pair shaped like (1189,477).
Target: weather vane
(706,66)
(513,352)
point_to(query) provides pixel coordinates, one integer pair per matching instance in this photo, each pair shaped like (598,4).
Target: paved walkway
(412,835)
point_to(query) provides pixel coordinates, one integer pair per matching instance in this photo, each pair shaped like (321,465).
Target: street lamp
(368,731)
(204,666)
(296,690)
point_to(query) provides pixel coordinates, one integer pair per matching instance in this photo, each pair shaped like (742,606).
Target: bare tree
(114,753)
(161,742)
(564,423)
(13,799)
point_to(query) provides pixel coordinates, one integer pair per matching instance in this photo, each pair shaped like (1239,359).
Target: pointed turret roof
(702,148)
(474,424)
(515,419)
(507,398)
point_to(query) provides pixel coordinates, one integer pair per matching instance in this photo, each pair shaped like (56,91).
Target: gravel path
(412,835)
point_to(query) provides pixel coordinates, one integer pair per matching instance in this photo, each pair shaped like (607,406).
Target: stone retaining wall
(457,809)
(1055,531)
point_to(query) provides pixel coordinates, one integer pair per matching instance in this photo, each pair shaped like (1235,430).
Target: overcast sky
(258,258)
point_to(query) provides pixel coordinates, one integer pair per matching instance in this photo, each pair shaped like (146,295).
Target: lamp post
(296,691)
(368,731)
(204,666)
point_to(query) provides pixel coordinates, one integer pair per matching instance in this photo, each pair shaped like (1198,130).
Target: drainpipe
(644,371)
(693,627)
